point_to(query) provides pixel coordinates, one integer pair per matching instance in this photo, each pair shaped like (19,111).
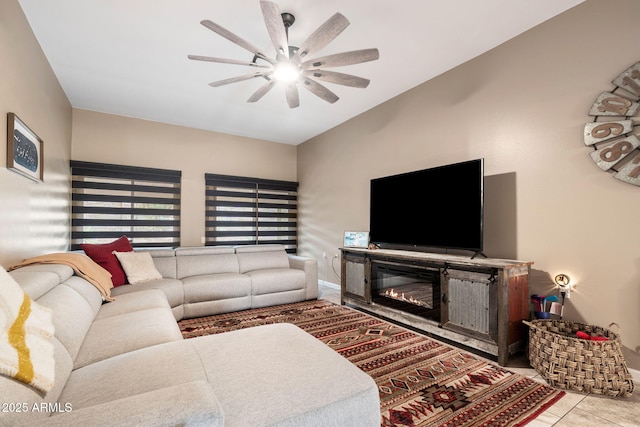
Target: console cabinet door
(355,278)
(471,304)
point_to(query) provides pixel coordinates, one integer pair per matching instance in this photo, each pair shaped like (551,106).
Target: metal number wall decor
(611,134)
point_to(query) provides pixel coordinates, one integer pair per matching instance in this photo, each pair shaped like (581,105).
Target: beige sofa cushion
(111,336)
(269,300)
(212,287)
(132,373)
(275,280)
(206,260)
(210,308)
(164,260)
(188,404)
(173,289)
(133,301)
(261,257)
(72,316)
(38,279)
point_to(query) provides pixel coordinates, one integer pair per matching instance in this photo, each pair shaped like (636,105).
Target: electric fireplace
(414,290)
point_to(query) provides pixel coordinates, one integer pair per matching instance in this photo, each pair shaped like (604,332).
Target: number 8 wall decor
(615,146)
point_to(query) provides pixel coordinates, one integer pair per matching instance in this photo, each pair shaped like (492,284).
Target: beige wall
(34,217)
(106,138)
(522,107)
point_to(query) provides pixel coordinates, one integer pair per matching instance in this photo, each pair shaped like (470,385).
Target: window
(108,201)
(249,211)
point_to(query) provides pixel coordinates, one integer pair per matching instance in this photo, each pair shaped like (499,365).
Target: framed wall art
(24,149)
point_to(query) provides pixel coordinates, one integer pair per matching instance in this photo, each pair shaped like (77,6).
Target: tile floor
(574,409)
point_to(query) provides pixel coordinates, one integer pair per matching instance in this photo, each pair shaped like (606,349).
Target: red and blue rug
(422,382)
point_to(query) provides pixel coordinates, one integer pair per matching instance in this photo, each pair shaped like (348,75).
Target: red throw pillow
(103,255)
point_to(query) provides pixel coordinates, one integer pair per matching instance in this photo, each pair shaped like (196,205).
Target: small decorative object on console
(356,239)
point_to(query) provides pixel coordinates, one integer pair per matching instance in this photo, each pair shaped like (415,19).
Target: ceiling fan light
(286,72)
(290,65)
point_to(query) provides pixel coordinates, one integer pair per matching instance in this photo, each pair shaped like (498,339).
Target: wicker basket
(571,363)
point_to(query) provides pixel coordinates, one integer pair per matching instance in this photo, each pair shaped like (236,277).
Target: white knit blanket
(26,329)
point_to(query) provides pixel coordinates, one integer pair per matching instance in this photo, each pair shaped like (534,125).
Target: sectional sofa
(203,281)
(124,362)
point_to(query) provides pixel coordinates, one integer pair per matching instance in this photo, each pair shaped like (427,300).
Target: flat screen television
(440,207)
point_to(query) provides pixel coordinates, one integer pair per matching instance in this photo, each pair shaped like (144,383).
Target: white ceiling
(129,57)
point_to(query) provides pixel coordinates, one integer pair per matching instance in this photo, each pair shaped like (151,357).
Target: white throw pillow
(26,330)
(138,266)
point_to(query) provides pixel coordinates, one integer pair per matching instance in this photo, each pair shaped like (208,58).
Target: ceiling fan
(293,65)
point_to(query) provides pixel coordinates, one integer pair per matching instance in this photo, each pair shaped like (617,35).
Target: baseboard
(329,284)
(635,374)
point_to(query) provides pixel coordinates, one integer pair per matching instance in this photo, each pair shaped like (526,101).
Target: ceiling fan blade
(235,39)
(322,36)
(275,27)
(238,79)
(257,95)
(342,59)
(293,98)
(338,78)
(227,61)
(320,91)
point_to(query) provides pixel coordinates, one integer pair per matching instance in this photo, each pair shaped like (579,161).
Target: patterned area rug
(421,381)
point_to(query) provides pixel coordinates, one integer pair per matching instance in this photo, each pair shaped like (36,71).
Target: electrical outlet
(203,240)
(565,293)
(324,254)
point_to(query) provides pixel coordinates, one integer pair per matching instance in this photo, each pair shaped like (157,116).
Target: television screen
(441,207)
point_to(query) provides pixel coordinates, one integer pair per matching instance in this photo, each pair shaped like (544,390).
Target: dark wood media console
(479,302)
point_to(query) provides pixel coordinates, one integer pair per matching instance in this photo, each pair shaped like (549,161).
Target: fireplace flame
(391,293)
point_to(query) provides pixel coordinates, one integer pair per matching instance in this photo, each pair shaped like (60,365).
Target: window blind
(249,211)
(109,200)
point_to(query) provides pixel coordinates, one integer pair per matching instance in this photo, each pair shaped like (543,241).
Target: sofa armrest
(188,404)
(310,268)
